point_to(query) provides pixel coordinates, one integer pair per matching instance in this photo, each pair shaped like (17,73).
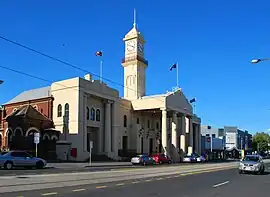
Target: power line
(46,80)
(61,61)
(66,63)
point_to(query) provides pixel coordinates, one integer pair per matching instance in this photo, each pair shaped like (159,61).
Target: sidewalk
(85,164)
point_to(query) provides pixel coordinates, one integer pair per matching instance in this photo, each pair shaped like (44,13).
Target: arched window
(125,121)
(87,113)
(98,115)
(92,115)
(67,110)
(59,110)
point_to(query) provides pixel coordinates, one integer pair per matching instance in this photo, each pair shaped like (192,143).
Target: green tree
(260,141)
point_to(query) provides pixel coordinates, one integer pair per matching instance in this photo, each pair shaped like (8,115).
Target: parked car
(194,157)
(142,160)
(251,163)
(161,158)
(20,159)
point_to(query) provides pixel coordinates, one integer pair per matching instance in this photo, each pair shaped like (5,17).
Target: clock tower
(134,64)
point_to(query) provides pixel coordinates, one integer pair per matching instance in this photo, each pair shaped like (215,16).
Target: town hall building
(88,112)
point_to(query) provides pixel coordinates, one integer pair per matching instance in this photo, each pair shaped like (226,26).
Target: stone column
(164,132)
(175,147)
(191,143)
(108,127)
(138,139)
(115,130)
(200,139)
(183,134)
(84,134)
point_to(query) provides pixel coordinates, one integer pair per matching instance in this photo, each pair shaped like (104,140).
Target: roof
(33,94)
(28,111)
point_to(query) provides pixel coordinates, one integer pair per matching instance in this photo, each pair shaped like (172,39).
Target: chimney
(88,77)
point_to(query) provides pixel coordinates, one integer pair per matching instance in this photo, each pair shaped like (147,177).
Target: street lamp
(256,61)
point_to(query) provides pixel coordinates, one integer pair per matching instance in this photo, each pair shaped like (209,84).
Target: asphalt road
(52,170)
(222,183)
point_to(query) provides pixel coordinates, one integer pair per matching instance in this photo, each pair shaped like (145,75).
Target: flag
(1,81)
(173,66)
(192,100)
(99,53)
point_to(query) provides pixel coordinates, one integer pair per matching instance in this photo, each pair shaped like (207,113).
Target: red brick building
(26,114)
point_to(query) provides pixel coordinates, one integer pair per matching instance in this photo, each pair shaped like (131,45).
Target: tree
(260,142)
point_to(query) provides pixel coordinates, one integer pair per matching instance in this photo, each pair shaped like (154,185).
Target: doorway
(125,144)
(150,146)
(141,145)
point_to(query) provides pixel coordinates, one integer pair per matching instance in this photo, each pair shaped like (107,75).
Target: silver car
(20,159)
(251,163)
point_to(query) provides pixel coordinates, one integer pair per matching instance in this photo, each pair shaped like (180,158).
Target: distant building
(215,137)
(236,138)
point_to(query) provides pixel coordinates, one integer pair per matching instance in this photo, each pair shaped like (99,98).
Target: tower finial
(134,18)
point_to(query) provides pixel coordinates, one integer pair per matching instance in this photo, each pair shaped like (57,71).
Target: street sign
(36,138)
(91,144)
(90,153)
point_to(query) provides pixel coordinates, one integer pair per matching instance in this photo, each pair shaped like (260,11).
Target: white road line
(220,184)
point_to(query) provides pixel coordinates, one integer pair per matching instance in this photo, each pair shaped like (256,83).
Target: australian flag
(192,100)
(173,66)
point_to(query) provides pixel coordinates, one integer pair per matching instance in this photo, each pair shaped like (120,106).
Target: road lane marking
(220,184)
(101,187)
(159,179)
(176,176)
(134,182)
(168,177)
(78,190)
(49,194)
(148,180)
(119,184)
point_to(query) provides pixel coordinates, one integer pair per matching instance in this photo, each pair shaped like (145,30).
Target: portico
(179,133)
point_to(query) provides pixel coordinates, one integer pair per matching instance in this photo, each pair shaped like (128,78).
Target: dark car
(161,158)
(143,160)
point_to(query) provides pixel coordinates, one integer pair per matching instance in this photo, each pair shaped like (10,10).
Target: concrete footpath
(34,182)
(83,165)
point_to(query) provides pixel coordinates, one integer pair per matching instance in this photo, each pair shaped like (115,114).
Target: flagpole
(177,82)
(100,76)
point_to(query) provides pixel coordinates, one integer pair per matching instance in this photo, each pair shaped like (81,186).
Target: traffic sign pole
(36,141)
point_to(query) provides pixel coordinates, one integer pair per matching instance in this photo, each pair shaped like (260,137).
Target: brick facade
(44,106)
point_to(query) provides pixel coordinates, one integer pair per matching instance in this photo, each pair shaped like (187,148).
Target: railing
(139,58)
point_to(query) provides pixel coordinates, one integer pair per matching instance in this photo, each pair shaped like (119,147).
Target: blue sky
(213,42)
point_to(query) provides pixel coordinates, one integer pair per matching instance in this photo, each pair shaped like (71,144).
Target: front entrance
(141,145)
(92,135)
(125,144)
(150,146)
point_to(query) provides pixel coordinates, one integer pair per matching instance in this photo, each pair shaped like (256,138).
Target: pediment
(178,101)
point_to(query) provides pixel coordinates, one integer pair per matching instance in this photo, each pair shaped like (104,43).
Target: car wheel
(8,165)
(240,171)
(39,165)
(262,171)
(169,162)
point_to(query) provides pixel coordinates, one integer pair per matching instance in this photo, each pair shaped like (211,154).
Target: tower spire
(134,18)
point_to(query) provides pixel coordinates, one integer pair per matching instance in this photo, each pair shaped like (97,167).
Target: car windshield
(251,158)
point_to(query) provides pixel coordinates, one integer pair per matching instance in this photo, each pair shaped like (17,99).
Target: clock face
(140,47)
(131,45)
